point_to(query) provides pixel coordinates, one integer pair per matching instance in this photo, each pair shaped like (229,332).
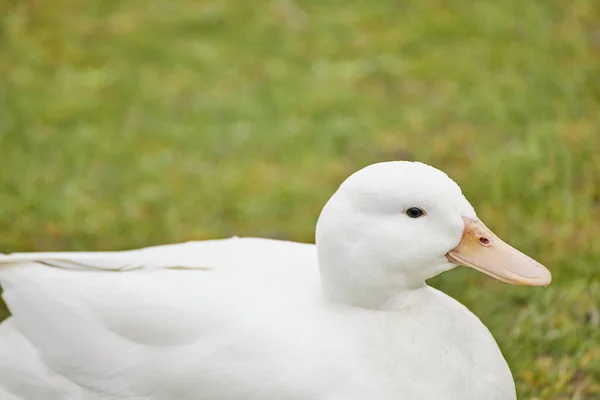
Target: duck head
(393,225)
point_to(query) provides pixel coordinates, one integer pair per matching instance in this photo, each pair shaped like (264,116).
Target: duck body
(166,329)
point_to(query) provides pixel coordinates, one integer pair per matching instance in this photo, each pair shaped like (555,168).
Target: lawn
(127,124)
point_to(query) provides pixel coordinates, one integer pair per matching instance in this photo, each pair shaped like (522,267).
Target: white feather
(243,318)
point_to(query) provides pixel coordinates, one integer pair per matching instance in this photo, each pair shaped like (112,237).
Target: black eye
(414,212)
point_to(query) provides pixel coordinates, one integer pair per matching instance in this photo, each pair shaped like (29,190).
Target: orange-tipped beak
(479,248)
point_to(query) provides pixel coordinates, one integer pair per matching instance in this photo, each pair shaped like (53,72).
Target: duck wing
(122,324)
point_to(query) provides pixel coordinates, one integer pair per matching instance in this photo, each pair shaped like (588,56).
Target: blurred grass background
(128,124)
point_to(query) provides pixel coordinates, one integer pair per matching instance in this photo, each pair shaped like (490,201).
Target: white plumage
(251,319)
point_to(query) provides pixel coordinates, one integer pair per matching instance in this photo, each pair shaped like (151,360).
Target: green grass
(127,124)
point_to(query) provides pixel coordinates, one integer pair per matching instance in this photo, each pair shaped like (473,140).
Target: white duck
(249,319)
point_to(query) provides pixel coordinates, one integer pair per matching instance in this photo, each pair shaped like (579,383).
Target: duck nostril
(484,240)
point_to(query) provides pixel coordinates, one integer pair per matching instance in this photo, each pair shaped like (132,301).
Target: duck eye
(414,212)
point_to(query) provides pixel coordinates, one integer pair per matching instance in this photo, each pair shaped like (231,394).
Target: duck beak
(480,249)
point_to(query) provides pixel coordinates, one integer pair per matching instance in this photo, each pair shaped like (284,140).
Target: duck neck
(373,298)
(361,285)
